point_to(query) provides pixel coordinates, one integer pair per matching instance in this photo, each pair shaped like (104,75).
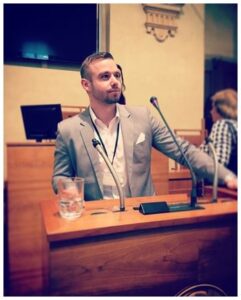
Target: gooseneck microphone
(193,195)
(99,148)
(215,160)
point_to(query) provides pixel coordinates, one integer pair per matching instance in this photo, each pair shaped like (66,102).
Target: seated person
(224,129)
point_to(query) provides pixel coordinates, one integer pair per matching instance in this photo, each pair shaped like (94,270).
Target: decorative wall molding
(161,19)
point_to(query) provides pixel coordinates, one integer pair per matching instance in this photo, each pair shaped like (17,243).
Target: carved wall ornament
(161,19)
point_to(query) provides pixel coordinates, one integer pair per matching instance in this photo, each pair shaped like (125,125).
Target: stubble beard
(112,100)
(107,99)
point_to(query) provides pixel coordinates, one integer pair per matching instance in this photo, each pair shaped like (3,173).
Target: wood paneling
(193,136)
(179,181)
(30,169)
(127,253)
(129,264)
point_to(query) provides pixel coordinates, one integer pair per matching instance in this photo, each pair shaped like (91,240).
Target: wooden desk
(29,170)
(127,253)
(221,192)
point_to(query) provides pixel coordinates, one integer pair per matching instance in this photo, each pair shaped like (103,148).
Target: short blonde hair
(225,102)
(84,69)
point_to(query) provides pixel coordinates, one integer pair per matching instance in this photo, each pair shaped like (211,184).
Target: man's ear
(85,84)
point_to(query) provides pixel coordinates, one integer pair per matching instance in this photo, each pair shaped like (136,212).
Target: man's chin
(112,100)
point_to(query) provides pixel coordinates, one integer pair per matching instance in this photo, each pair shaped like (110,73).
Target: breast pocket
(142,153)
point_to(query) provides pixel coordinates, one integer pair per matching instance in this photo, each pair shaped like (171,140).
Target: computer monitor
(40,121)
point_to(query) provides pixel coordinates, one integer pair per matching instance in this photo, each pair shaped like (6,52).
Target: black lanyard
(102,143)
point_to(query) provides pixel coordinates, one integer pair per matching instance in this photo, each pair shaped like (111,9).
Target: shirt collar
(99,123)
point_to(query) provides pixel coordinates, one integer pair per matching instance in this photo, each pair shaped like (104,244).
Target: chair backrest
(194,136)
(233,162)
(69,111)
(159,172)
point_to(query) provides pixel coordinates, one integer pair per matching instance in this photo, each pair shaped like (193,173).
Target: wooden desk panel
(30,169)
(160,263)
(127,253)
(221,192)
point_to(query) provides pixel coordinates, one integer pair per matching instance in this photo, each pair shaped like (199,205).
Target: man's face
(105,81)
(214,114)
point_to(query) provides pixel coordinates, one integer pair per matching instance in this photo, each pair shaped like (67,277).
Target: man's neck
(106,113)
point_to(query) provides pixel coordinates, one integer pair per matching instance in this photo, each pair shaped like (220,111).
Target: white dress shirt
(109,135)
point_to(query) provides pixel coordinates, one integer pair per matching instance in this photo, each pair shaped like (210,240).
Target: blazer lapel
(87,133)
(128,139)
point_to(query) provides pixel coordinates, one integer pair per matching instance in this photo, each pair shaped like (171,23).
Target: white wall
(172,70)
(25,85)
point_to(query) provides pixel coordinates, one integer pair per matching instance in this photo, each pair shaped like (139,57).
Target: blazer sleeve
(63,166)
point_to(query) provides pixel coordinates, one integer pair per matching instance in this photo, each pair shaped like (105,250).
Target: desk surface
(99,219)
(31,143)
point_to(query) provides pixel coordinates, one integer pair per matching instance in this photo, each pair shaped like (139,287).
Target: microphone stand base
(183,207)
(118,209)
(162,207)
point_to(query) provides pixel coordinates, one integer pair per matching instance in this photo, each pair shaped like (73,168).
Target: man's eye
(105,76)
(117,75)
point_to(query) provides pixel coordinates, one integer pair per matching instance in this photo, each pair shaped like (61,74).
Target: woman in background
(224,129)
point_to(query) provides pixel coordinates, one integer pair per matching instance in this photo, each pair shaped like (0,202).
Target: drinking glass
(71,197)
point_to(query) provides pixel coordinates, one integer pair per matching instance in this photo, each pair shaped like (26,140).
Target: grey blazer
(76,156)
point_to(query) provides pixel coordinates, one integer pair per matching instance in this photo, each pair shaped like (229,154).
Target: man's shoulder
(138,110)
(226,123)
(73,124)
(74,120)
(70,121)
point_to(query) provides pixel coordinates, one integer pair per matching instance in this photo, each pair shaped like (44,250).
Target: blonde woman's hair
(225,102)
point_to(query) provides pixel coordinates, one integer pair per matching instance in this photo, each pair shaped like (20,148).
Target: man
(126,134)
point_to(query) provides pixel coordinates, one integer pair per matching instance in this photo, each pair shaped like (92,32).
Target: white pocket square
(141,138)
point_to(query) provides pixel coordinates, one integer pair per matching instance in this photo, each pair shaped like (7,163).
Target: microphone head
(95,142)
(154,101)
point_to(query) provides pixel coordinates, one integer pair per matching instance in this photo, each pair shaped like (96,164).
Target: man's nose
(114,81)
